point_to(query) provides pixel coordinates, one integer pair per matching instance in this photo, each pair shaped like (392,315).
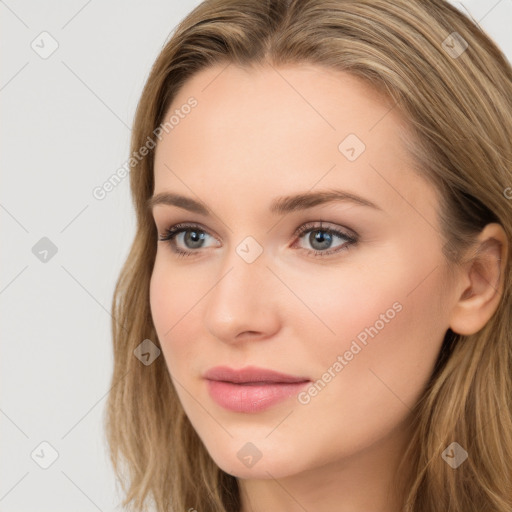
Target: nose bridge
(246,263)
(244,270)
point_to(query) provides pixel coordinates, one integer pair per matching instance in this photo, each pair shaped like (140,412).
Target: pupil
(319,237)
(194,236)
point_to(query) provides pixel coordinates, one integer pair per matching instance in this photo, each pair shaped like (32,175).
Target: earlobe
(485,272)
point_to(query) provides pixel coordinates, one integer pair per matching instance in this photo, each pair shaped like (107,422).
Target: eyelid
(321,225)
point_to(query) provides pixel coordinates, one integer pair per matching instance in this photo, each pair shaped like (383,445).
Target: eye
(321,238)
(193,236)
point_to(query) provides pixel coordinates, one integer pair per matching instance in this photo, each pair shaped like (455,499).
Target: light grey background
(65,130)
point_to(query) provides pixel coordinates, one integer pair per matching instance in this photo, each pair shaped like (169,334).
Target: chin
(258,460)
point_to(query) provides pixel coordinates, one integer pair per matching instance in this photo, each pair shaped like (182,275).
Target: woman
(315,312)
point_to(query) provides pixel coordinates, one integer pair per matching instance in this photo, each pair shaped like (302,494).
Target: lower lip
(252,397)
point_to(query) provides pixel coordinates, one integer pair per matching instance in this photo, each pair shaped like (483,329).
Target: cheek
(172,295)
(405,358)
(173,291)
(344,306)
(388,339)
(387,336)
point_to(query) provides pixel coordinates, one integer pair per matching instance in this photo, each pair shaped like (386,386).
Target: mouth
(251,375)
(251,389)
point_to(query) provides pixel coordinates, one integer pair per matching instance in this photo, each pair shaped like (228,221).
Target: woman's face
(357,302)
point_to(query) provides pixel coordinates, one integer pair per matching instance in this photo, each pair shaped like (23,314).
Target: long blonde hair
(458,104)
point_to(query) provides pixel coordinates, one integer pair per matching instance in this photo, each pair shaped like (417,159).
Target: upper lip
(250,374)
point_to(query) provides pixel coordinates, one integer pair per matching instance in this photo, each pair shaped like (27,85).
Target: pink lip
(251,389)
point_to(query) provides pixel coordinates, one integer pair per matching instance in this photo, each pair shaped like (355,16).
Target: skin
(262,133)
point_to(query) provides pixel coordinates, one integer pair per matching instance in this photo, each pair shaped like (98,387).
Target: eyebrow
(280,205)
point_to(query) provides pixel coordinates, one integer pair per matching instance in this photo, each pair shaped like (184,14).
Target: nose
(243,301)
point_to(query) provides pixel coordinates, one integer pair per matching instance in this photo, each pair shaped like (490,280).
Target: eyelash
(173,231)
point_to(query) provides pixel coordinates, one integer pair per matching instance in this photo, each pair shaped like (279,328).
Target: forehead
(285,128)
(292,102)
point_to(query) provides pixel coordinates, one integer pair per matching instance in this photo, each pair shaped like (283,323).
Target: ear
(481,282)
